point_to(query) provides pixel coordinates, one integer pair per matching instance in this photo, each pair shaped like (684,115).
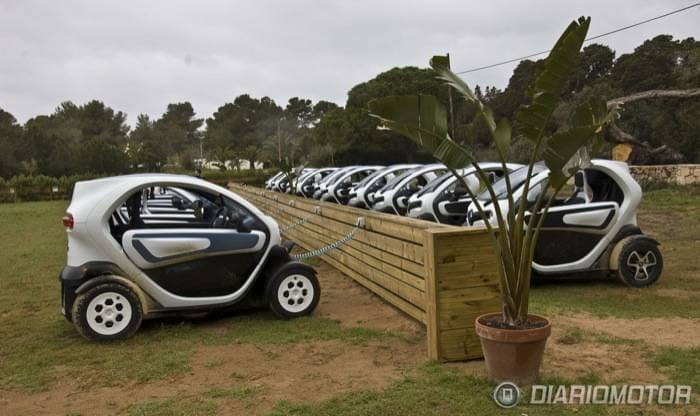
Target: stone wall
(673,174)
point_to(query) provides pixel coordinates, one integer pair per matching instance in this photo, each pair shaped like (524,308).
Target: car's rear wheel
(107,312)
(639,263)
(293,293)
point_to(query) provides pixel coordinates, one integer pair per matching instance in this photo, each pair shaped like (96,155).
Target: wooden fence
(442,276)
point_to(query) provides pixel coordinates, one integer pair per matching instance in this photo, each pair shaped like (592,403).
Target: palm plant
(424,120)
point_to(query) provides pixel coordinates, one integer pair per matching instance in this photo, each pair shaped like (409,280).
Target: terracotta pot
(513,355)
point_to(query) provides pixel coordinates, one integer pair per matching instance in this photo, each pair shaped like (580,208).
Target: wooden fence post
(461,284)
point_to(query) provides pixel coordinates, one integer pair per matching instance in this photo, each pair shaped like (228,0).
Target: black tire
(640,262)
(99,329)
(293,301)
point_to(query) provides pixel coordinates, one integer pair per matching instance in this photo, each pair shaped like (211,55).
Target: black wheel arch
(279,261)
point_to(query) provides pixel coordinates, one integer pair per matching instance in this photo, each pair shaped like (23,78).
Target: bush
(41,187)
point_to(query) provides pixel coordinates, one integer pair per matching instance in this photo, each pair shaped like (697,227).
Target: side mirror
(492,177)
(246,224)
(460,190)
(198,208)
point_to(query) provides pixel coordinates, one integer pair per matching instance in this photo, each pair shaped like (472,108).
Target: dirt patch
(608,363)
(675,332)
(352,305)
(307,372)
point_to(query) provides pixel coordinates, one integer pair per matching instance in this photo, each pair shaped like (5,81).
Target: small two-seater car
(594,228)
(150,245)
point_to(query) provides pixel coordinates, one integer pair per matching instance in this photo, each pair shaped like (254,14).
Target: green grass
(237,393)
(181,406)
(602,299)
(672,198)
(679,364)
(37,345)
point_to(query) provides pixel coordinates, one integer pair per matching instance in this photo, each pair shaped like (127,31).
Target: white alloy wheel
(109,313)
(295,293)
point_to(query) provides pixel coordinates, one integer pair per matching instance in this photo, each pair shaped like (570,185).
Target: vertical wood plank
(431,300)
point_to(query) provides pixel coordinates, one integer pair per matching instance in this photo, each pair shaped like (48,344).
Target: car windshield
(339,176)
(517,179)
(371,177)
(394,182)
(333,176)
(435,183)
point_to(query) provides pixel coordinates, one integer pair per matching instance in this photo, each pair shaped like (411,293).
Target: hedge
(41,188)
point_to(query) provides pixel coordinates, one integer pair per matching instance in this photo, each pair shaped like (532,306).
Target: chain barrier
(289,227)
(323,250)
(360,223)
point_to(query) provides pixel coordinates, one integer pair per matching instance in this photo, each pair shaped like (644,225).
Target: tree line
(95,138)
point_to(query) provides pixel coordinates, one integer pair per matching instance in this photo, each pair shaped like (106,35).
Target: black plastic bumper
(72,277)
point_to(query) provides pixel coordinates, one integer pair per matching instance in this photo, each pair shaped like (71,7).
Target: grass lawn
(40,351)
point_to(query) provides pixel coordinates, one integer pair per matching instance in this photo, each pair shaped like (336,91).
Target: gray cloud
(139,56)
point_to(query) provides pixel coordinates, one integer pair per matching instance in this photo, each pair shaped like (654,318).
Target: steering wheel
(220,218)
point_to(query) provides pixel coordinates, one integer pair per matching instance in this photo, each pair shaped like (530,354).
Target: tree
(331,133)
(594,63)
(10,142)
(177,131)
(322,108)
(64,143)
(652,65)
(652,151)
(144,149)
(238,130)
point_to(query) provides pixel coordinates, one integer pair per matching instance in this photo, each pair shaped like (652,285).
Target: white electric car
(595,228)
(125,265)
(339,189)
(393,197)
(270,183)
(307,185)
(361,196)
(321,187)
(283,185)
(443,200)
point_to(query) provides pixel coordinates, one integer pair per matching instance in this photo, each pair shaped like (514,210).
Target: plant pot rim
(513,335)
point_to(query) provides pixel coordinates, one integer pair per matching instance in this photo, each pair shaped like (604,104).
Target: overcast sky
(138,56)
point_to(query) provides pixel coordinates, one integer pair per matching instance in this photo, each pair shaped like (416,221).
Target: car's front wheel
(107,312)
(293,293)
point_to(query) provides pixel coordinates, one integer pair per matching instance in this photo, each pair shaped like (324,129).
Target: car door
(573,229)
(191,261)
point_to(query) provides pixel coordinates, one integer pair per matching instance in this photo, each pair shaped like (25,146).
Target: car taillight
(68,221)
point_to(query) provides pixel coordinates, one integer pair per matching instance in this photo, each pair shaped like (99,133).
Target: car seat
(582,192)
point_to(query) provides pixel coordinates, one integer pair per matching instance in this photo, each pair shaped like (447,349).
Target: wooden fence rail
(442,276)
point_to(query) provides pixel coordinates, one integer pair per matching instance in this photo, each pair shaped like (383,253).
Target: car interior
(171,207)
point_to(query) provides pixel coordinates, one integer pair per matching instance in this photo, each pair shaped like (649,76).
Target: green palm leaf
(421,118)
(587,122)
(533,118)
